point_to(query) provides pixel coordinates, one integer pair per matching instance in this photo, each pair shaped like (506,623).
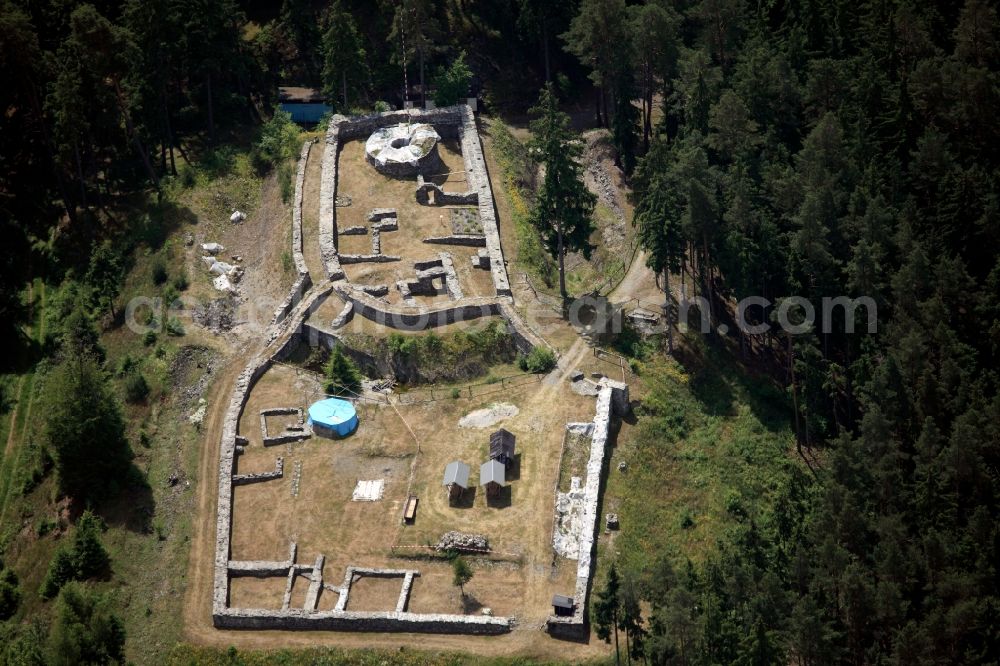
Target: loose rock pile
(458,541)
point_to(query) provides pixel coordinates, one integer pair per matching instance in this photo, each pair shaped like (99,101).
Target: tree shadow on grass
(470,604)
(719,380)
(132,507)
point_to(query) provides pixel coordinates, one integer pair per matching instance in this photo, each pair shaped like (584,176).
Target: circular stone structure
(333,417)
(404,149)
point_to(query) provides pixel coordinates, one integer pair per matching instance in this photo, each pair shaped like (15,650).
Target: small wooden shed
(502,447)
(562,605)
(410,511)
(491,475)
(456,478)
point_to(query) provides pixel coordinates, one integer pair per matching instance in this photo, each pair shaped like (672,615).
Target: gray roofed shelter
(562,605)
(502,446)
(492,474)
(456,477)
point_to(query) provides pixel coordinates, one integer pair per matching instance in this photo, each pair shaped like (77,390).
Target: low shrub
(538,360)
(136,388)
(159,272)
(174,327)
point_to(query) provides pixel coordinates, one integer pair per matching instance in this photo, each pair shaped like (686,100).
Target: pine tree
(85,630)
(563,209)
(607,610)
(85,430)
(599,37)
(414,35)
(345,70)
(343,376)
(657,217)
(452,84)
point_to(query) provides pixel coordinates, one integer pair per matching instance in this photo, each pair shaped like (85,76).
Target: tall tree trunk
(562,264)
(211,114)
(423,87)
(668,312)
(134,136)
(79,173)
(706,271)
(343,85)
(167,126)
(795,394)
(36,106)
(597,106)
(545,51)
(614,617)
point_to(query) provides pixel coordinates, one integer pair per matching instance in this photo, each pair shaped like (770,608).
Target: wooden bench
(410,512)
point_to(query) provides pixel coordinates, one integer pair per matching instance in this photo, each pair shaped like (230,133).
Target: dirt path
(201,563)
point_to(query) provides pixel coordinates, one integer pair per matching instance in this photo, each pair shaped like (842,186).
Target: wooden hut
(491,476)
(502,447)
(562,605)
(456,478)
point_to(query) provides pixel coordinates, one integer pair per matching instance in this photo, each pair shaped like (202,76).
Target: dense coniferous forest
(775,149)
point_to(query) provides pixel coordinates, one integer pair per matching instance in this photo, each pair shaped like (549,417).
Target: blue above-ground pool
(333,417)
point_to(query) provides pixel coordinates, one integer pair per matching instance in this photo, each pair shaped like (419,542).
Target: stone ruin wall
(284,336)
(450,122)
(285,332)
(304,280)
(612,400)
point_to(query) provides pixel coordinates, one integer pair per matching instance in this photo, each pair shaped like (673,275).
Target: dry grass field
(408,447)
(369,189)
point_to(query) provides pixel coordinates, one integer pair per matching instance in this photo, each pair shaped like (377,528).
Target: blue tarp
(334,415)
(306,113)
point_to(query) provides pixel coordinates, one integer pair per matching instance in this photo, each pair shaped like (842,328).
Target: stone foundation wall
(300,177)
(244,479)
(453,121)
(283,338)
(479,181)
(442,198)
(612,399)
(298,619)
(367,258)
(465,240)
(327,206)
(295,295)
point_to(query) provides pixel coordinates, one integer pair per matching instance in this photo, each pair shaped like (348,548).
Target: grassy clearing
(709,451)
(515,177)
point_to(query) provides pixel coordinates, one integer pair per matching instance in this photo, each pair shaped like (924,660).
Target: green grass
(207,656)
(709,452)
(17,421)
(512,157)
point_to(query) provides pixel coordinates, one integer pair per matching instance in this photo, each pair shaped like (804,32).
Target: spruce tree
(564,207)
(342,375)
(85,630)
(345,70)
(84,429)
(607,610)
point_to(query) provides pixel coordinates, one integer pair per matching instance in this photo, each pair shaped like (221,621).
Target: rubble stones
(612,400)
(463,543)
